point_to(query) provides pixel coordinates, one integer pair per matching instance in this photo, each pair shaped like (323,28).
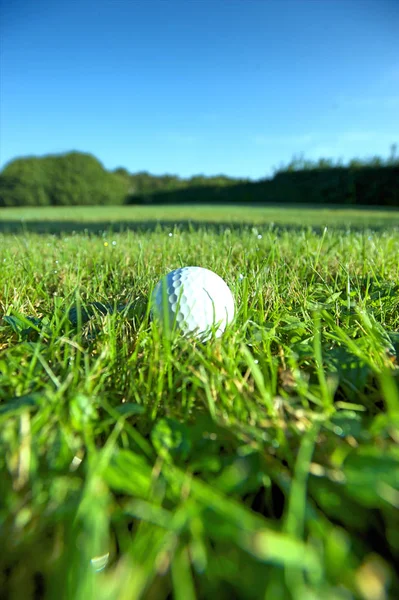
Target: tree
(67,179)
(24,182)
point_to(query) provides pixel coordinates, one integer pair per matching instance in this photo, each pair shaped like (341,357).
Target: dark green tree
(74,178)
(24,182)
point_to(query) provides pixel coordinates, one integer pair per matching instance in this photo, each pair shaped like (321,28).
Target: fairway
(95,218)
(263,464)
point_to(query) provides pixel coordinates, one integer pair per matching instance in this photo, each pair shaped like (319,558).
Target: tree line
(77,178)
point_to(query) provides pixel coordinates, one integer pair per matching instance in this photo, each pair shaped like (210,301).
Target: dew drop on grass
(99,562)
(338,430)
(75,463)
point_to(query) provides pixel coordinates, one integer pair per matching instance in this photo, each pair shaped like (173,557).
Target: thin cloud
(180,138)
(349,137)
(210,117)
(347,143)
(381,102)
(391,75)
(371,137)
(341,145)
(284,140)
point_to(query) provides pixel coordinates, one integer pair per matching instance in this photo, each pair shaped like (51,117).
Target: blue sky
(198,86)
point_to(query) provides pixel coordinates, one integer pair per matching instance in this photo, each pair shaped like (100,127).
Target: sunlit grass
(262,465)
(278,215)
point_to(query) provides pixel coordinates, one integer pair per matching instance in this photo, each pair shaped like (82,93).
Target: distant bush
(366,186)
(69,179)
(357,185)
(77,178)
(143,183)
(24,183)
(300,163)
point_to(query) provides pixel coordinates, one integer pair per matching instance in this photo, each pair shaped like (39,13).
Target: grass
(93,219)
(261,465)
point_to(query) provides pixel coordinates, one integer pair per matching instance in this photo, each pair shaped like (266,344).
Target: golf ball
(194,300)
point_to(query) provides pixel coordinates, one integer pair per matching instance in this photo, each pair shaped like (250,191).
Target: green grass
(66,218)
(261,465)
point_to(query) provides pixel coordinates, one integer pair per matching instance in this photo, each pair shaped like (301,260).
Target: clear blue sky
(198,86)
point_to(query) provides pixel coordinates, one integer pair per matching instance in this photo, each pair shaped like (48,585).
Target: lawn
(261,465)
(93,219)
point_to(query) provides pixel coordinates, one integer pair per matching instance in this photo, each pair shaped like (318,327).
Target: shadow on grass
(100,227)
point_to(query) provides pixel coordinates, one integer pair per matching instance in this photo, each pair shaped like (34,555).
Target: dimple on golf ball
(195,301)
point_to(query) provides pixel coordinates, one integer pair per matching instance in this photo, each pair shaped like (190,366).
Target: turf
(261,465)
(100,218)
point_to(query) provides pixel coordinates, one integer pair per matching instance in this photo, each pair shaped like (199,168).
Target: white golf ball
(196,300)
